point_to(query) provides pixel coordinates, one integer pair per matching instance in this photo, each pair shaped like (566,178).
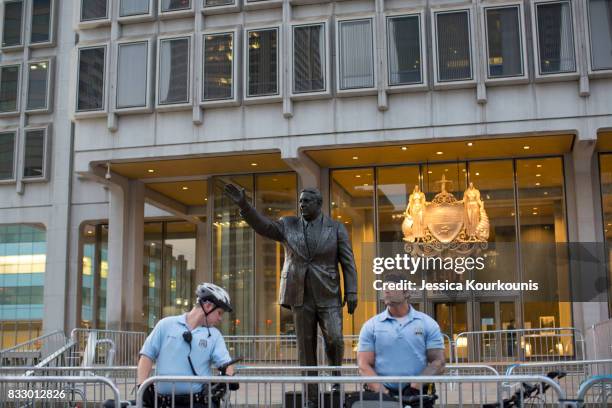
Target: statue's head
(416,188)
(310,203)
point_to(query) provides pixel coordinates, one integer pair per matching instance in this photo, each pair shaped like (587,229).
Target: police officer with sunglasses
(186,345)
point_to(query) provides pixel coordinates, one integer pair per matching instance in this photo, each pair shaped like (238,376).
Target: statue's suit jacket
(333,248)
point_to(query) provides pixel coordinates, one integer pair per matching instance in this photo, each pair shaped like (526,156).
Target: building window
(91,79)
(404,50)
(132,74)
(262,62)
(23,249)
(7,155)
(41,21)
(9,88)
(13,24)
(453,46)
(94,10)
(356,54)
(174,71)
(505,57)
(309,58)
(34,154)
(94,272)
(175,5)
(218,66)
(38,85)
(600,31)
(215,3)
(555,36)
(129,8)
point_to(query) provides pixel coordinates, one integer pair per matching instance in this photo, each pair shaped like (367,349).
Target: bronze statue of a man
(310,280)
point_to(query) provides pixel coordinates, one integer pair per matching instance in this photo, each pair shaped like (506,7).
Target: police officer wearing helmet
(187,345)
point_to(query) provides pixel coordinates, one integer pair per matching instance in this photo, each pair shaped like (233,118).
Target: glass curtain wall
(240,255)
(23,252)
(515,254)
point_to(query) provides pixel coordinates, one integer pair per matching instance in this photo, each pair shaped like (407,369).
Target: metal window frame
(234,100)
(49,92)
(46,159)
(148,106)
(19,85)
(234,7)
(326,92)
(357,91)
(92,112)
(278,96)
(553,76)
(178,13)
(94,22)
(458,83)
(593,72)
(483,8)
(417,86)
(15,132)
(134,18)
(190,65)
(23,20)
(52,26)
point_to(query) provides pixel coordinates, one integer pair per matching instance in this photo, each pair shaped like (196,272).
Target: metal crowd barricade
(33,351)
(56,391)
(519,345)
(599,340)
(576,372)
(106,347)
(352,370)
(124,378)
(292,391)
(596,391)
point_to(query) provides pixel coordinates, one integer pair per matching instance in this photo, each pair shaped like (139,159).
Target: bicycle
(528,395)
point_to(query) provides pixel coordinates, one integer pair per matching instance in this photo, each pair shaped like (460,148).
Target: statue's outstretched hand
(351,302)
(236,194)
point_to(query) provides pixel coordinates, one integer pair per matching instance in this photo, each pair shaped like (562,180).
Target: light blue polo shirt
(167,348)
(400,348)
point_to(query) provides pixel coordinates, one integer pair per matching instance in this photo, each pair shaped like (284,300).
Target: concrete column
(309,172)
(125,253)
(585,224)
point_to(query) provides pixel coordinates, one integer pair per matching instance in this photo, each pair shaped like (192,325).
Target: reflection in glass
(41,21)
(94,271)
(233,241)
(504,41)
(7,155)
(13,20)
(352,196)
(174,71)
(275,197)
(34,153)
(152,274)
(38,77)
(179,268)
(605,169)
(308,58)
(23,249)
(9,88)
(542,237)
(393,189)
(218,66)
(404,50)
(263,62)
(174,5)
(91,79)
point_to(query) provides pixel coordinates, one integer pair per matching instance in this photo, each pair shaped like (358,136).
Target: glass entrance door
(498,318)
(452,318)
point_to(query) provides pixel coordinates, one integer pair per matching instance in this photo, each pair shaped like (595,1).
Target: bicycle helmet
(209,292)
